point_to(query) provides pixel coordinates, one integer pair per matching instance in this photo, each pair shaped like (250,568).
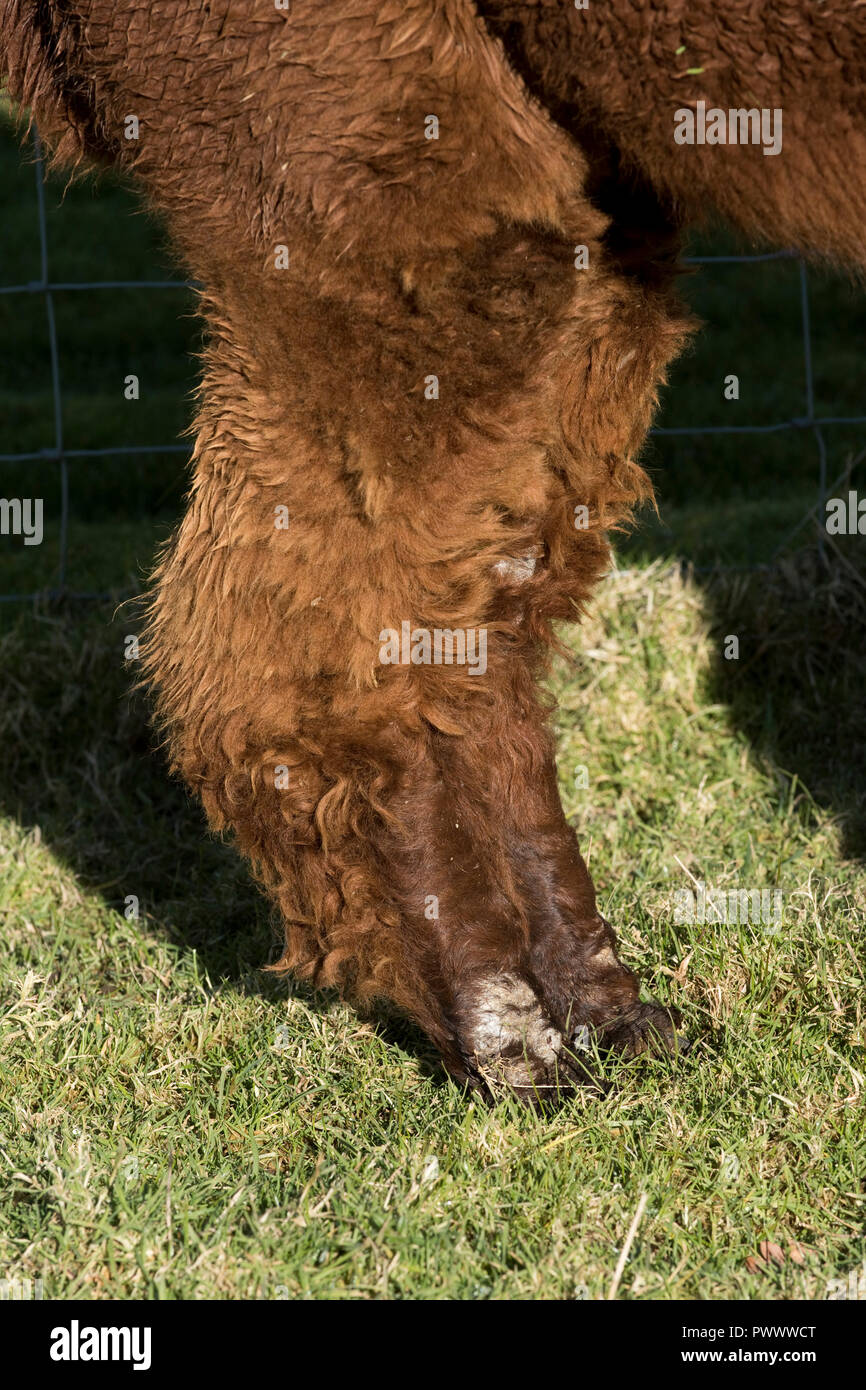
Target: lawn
(175,1123)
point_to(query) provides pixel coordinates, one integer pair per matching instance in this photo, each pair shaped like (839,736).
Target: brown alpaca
(421,405)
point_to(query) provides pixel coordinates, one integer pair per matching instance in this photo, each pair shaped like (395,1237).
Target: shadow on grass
(798,687)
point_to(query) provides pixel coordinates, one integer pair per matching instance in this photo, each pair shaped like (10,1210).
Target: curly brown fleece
(422,403)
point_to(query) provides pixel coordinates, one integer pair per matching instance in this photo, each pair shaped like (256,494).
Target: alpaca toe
(646,1029)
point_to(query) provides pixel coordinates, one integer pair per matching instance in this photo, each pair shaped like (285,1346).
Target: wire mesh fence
(62,455)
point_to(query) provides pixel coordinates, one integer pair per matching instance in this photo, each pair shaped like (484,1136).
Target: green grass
(176,1123)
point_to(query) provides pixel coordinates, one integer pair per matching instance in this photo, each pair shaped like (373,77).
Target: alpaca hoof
(647,1029)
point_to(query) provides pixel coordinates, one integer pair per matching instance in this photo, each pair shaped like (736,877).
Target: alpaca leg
(557,941)
(592,995)
(460,896)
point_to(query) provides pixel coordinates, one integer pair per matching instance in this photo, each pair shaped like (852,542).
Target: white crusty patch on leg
(606,957)
(516,569)
(509,1033)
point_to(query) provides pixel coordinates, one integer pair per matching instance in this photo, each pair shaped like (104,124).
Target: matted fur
(410,259)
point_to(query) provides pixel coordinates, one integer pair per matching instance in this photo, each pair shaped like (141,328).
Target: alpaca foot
(509,1042)
(643,1029)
